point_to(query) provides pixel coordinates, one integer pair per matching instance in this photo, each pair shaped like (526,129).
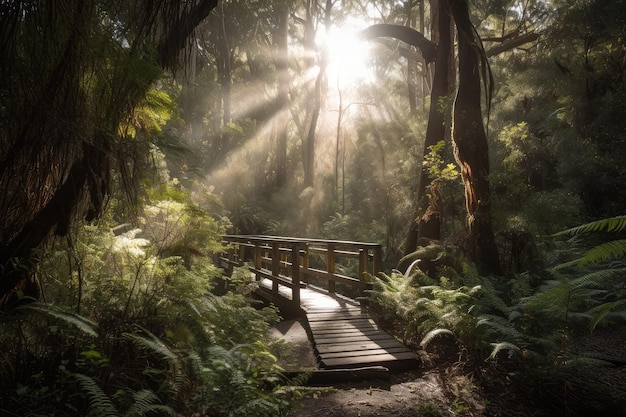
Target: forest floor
(442,387)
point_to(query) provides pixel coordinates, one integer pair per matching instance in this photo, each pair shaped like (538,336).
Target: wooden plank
(350,339)
(322,332)
(385,358)
(343,325)
(356,354)
(340,315)
(340,347)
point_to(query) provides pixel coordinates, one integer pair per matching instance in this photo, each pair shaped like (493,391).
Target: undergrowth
(524,328)
(129,325)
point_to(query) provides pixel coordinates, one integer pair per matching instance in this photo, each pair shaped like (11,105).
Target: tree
(469,137)
(73,74)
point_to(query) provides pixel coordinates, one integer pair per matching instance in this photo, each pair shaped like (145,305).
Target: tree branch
(512,43)
(175,41)
(405,34)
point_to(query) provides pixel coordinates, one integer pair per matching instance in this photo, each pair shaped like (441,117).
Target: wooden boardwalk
(343,334)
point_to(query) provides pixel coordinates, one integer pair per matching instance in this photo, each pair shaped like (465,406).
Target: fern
(499,347)
(153,345)
(147,403)
(604,252)
(613,225)
(99,403)
(83,324)
(431,335)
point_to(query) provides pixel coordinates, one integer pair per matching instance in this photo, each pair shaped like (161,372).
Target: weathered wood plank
(357,353)
(383,359)
(340,347)
(351,339)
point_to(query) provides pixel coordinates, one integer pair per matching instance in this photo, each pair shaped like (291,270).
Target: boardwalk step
(350,339)
(401,359)
(354,347)
(352,353)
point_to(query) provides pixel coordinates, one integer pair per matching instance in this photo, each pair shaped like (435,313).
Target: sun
(348,55)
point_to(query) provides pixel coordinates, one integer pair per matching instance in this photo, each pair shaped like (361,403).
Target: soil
(442,386)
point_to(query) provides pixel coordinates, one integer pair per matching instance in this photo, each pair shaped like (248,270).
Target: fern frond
(604,252)
(257,406)
(81,323)
(501,328)
(613,224)
(600,312)
(99,403)
(498,347)
(153,345)
(409,270)
(428,337)
(583,362)
(596,279)
(147,403)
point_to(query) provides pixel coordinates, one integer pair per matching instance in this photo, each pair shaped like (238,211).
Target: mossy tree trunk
(470,141)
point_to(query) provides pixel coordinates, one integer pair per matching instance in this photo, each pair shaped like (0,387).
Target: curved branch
(512,43)
(405,34)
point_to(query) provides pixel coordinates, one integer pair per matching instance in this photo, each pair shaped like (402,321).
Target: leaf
(498,347)
(604,252)
(428,337)
(99,403)
(83,324)
(613,224)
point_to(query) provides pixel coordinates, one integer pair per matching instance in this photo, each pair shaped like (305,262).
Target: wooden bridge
(324,281)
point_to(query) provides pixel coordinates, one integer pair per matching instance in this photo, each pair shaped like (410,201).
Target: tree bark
(282,119)
(427,219)
(470,142)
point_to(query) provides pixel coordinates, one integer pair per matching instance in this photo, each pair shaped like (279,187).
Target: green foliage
(152,334)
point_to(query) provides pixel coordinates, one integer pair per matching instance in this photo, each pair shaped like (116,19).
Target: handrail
(286,261)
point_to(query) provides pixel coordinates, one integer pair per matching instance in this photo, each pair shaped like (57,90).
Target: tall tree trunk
(411,61)
(427,220)
(470,140)
(55,165)
(282,119)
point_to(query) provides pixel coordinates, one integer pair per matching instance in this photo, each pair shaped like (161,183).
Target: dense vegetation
(133,134)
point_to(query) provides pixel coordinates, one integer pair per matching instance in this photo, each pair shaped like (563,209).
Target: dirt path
(426,392)
(440,388)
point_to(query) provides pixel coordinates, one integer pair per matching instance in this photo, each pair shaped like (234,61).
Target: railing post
(363,264)
(295,275)
(305,263)
(242,253)
(275,265)
(330,267)
(257,259)
(378,260)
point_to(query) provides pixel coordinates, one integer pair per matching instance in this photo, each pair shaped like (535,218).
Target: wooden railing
(298,262)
